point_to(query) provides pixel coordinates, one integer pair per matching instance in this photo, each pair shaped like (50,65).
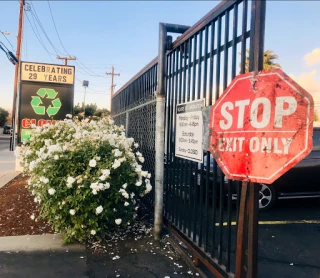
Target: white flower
(141,159)
(99,209)
(118,221)
(93,232)
(32,216)
(116,164)
(94,192)
(144,173)
(71,180)
(51,191)
(149,176)
(69,116)
(106,172)
(136,145)
(117,153)
(56,157)
(72,211)
(132,195)
(126,204)
(138,183)
(107,185)
(92,163)
(138,154)
(148,187)
(124,186)
(102,178)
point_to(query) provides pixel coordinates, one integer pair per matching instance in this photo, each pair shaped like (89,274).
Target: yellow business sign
(47,73)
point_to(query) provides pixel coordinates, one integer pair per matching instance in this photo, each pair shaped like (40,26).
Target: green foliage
(3,116)
(85,176)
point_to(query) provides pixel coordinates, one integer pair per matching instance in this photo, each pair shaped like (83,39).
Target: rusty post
(239,273)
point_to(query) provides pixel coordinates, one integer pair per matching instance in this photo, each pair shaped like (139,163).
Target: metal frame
(201,63)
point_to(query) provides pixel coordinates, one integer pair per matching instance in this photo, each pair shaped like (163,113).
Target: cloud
(313,57)
(309,81)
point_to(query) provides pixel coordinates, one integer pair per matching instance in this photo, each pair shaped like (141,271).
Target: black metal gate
(200,206)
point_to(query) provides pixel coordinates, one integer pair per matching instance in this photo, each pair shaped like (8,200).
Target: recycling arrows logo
(49,94)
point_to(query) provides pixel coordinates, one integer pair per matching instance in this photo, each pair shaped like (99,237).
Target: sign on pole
(261,126)
(188,143)
(46,95)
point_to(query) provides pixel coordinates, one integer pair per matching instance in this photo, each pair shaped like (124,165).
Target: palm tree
(268,60)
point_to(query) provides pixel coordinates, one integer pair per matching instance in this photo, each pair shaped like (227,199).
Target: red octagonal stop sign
(261,126)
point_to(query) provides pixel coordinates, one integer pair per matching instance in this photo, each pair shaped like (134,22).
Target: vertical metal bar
(159,136)
(221,206)
(213,220)
(225,50)
(180,183)
(258,17)
(239,273)
(194,68)
(229,227)
(168,128)
(218,59)
(234,43)
(243,36)
(186,162)
(201,169)
(189,70)
(175,159)
(253,210)
(205,94)
(172,150)
(195,207)
(214,205)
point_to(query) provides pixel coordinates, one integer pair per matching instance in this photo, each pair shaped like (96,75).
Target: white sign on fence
(189,130)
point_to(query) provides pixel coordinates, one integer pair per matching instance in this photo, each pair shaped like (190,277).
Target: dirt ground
(16,207)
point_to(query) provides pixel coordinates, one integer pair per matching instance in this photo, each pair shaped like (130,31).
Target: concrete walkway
(7,167)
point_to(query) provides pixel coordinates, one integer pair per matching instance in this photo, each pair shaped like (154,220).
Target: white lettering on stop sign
(284,106)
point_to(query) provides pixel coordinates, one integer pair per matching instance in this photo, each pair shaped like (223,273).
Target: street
(4,140)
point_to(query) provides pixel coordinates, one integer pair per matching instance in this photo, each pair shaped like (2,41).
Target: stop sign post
(261,126)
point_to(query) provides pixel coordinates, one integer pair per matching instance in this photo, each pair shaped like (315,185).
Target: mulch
(16,206)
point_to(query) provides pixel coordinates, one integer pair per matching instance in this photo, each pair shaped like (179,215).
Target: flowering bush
(85,176)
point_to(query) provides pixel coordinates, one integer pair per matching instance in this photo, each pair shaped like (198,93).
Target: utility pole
(112,84)
(66,59)
(16,76)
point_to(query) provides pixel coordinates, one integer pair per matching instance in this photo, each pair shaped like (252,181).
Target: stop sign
(261,126)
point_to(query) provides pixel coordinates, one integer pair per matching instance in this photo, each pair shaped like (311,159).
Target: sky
(125,34)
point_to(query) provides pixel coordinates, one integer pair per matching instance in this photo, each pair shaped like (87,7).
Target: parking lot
(289,243)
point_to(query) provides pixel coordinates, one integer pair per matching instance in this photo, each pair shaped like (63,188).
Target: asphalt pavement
(4,140)
(289,244)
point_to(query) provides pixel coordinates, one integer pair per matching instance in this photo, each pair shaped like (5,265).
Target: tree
(3,116)
(268,60)
(102,112)
(316,117)
(91,110)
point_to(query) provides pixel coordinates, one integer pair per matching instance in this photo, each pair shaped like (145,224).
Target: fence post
(127,124)
(249,202)
(159,142)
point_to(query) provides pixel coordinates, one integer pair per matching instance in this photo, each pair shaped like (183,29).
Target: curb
(36,243)
(6,177)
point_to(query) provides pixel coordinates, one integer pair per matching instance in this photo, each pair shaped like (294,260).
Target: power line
(7,40)
(85,68)
(42,44)
(34,13)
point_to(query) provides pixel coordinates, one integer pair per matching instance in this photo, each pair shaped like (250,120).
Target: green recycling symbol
(41,110)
